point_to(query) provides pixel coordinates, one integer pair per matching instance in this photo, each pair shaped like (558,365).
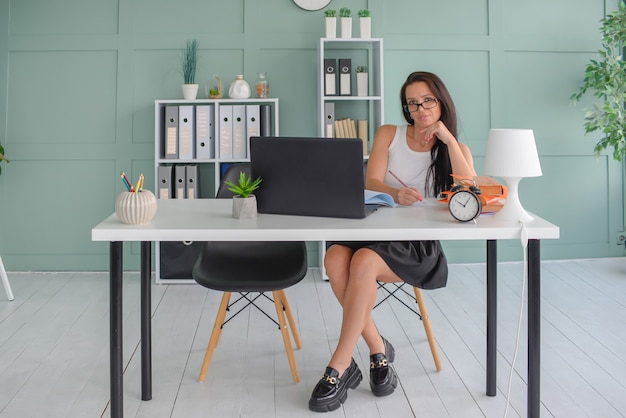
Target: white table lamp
(512,155)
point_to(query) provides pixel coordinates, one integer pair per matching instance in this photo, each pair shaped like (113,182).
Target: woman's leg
(353,277)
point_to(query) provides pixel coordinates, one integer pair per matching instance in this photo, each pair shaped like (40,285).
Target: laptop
(310,176)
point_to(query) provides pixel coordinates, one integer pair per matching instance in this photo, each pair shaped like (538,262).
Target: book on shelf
(345,128)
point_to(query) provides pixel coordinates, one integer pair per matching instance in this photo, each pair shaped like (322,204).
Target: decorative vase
(239,89)
(136,208)
(361,84)
(365,25)
(346,27)
(331,27)
(190,91)
(262,86)
(244,207)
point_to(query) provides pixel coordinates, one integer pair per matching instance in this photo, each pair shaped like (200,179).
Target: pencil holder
(136,208)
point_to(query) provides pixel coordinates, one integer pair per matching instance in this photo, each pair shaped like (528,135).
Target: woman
(421,155)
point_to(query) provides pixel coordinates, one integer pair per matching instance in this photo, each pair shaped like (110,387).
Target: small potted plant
(189,62)
(365,23)
(215,92)
(244,202)
(346,22)
(361,80)
(331,23)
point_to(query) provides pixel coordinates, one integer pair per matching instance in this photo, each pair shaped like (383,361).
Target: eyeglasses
(429,103)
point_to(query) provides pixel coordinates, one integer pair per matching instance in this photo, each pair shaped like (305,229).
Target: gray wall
(79,79)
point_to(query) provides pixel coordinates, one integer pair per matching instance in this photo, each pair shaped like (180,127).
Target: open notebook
(310,176)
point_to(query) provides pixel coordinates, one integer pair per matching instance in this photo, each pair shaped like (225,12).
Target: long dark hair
(438,177)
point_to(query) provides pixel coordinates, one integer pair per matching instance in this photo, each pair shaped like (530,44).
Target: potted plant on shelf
(346,22)
(215,92)
(244,202)
(189,61)
(2,157)
(330,17)
(606,78)
(361,81)
(365,23)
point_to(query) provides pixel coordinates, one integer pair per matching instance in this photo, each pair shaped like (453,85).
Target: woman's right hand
(408,195)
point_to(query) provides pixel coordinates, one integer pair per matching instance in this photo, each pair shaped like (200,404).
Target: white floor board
(54,358)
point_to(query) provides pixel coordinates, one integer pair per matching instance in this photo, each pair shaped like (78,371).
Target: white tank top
(410,166)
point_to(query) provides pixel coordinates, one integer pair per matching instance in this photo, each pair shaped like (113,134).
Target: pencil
(398,178)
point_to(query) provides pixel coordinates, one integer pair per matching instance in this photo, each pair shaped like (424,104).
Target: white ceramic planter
(244,207)
(331,27)
(136,208)
(346,27)
(190,91)
(365,26)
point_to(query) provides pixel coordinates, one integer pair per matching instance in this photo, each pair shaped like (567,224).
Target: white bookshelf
(209,169)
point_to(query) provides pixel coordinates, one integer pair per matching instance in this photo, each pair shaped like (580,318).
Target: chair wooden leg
(427,327)
(278,303)
(292,322)
(215,335)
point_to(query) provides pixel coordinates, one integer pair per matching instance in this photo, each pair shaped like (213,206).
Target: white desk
(210,220)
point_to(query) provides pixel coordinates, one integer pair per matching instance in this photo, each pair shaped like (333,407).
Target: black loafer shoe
(383,379)
(331,391)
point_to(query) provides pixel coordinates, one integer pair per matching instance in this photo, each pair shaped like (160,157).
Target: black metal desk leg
(492,315)
(115,325)
(146,322)
(534,323)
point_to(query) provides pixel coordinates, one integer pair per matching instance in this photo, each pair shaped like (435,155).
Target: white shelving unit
(209,169)
(361,52)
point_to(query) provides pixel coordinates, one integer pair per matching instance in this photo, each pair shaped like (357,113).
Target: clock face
(465,206)
(312,4)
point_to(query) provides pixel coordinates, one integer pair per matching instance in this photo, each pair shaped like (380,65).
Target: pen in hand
(398,178)
(401,182)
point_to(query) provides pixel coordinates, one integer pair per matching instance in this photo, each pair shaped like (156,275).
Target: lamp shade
(511,153)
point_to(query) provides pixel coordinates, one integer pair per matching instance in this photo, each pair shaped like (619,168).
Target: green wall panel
(80,78)
(554,24)
(54,97)
(190,16)
(64,17)
(424,17)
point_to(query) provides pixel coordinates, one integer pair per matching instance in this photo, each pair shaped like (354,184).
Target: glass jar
(239,89)
(262,86)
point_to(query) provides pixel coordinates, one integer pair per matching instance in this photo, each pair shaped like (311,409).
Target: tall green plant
(606,78)
(2,157)
(190,60)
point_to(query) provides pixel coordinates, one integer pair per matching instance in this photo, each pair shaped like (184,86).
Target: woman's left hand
(437,130)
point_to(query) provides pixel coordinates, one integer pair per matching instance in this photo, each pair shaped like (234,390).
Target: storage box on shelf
(195,140)
(342,111)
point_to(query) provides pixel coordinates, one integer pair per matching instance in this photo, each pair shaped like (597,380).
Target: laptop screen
(309,176)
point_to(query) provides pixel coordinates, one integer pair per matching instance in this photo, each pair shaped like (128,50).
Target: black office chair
(251,268)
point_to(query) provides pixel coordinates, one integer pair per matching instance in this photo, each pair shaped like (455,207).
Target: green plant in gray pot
(244,202)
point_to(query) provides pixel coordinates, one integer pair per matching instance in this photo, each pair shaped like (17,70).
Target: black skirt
(421,264)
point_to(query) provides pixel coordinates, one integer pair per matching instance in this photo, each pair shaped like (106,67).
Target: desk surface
(210,219)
